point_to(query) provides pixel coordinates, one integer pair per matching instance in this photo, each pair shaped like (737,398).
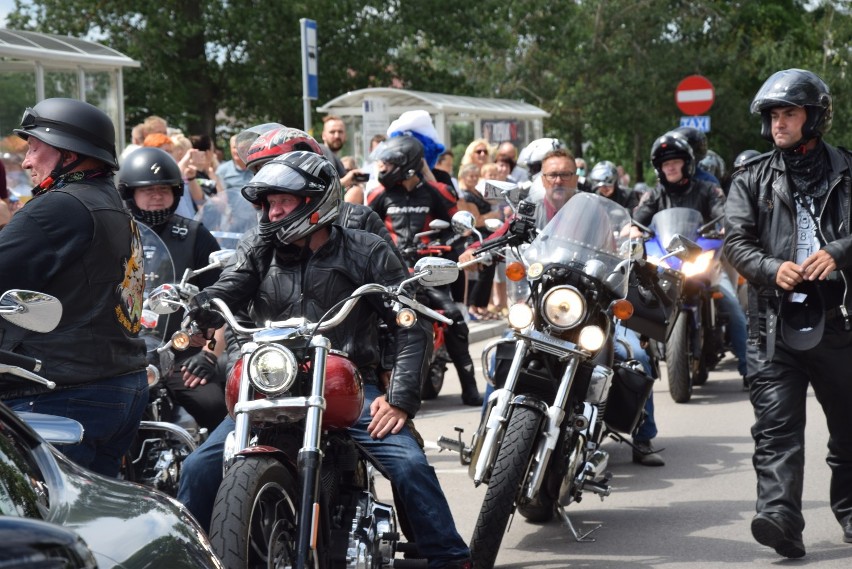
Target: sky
(6,6)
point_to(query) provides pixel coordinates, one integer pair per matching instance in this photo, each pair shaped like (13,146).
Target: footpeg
(456,445)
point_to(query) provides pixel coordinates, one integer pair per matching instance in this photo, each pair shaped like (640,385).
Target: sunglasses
(31,120)
(480,151)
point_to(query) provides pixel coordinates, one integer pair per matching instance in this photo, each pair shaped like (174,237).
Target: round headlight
(520,316)
(272,369)
(563,307)
(591,338)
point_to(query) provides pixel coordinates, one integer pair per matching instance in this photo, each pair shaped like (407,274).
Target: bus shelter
(35,66)
(368,112)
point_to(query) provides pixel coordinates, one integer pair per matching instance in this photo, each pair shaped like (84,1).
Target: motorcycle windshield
(681,220)
(159,269)
(227,216)
(591,231)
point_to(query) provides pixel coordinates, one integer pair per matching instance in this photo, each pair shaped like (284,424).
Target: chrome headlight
(272,369)
(563,307)
(520,316)
(699,265)
(591,338)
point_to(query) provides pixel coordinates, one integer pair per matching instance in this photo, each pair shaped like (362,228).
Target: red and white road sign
(695,95)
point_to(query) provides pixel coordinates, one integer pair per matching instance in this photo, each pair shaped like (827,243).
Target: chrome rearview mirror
(31,310)
(164,300)
(221,258)
(463,221)
(436,271)
(683,248)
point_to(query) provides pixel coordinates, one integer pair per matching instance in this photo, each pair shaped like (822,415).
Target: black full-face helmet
(669,147)
(300,173)
(795,88)
(70,124)
(149,166)
(696,139)
(402,156)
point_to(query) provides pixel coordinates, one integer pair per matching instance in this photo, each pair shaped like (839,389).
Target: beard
(559,195)
(335,145)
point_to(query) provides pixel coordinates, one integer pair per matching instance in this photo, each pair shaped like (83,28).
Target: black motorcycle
(558,390)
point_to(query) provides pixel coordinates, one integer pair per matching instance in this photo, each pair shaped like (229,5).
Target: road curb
(480,331)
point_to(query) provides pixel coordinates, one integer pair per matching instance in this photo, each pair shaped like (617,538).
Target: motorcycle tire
(255,515)
(510,469)
(679,359)
(435,375)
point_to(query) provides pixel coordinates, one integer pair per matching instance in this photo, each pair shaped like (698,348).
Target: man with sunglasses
(75,240)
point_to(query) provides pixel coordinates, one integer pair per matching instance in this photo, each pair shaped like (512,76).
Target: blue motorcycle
(696,341)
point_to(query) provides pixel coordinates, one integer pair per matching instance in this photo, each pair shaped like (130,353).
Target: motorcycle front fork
(310,455)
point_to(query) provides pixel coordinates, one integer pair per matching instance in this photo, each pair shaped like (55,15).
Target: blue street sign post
(702,123)
(310,69)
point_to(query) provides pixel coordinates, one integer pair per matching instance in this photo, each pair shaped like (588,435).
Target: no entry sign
(695,95)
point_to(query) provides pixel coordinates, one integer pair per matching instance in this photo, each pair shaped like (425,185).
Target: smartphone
(360,177)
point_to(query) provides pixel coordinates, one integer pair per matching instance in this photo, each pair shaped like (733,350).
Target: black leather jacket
(277,283)
(761,218)
(703,196)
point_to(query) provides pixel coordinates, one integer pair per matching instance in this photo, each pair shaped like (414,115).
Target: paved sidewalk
(485,329)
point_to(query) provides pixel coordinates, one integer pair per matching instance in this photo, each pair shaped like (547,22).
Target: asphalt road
(694,512)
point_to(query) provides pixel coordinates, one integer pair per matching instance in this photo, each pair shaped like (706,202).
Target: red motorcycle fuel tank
(344,391)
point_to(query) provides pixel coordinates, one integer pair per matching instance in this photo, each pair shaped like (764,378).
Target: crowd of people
(786,220)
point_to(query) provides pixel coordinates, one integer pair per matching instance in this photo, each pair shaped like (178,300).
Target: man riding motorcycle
(299,264)
(407,204)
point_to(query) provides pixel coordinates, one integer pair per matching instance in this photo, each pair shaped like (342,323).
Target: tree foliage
(605,70)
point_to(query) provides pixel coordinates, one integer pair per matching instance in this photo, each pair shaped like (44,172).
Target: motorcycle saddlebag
(656,302)
(627,396)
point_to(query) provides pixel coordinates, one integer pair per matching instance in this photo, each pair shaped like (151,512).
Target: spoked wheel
(510,468)
(255,515)
(679,360)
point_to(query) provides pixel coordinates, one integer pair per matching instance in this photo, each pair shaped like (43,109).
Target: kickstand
(584,538)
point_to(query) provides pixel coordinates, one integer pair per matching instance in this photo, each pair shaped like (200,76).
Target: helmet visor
(276,177)
(247,137)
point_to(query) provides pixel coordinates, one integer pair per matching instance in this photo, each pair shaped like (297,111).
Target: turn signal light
(515,271)
(180,340)
(622,309)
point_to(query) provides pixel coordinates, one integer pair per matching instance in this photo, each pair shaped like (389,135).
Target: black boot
(470,393)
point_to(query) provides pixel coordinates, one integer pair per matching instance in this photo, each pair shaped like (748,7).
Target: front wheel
(507,477)
(679,359)
(255,515)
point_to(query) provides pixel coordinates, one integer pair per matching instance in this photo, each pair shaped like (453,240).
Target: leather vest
(101,295)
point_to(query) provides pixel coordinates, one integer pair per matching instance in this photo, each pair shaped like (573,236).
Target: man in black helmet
(407,203)
(788,234)
(301,263)
(75,241)
(151,186)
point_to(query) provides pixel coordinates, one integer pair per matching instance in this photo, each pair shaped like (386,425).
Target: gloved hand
(202,313)
(202,364)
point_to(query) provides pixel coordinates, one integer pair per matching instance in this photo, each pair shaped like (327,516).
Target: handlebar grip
(24,362)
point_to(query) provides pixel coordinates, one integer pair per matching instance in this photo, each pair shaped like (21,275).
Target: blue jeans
(736,322)
(648,429)
(109,410)
(399,455)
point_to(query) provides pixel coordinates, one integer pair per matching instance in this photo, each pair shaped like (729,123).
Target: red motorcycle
(297,490)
